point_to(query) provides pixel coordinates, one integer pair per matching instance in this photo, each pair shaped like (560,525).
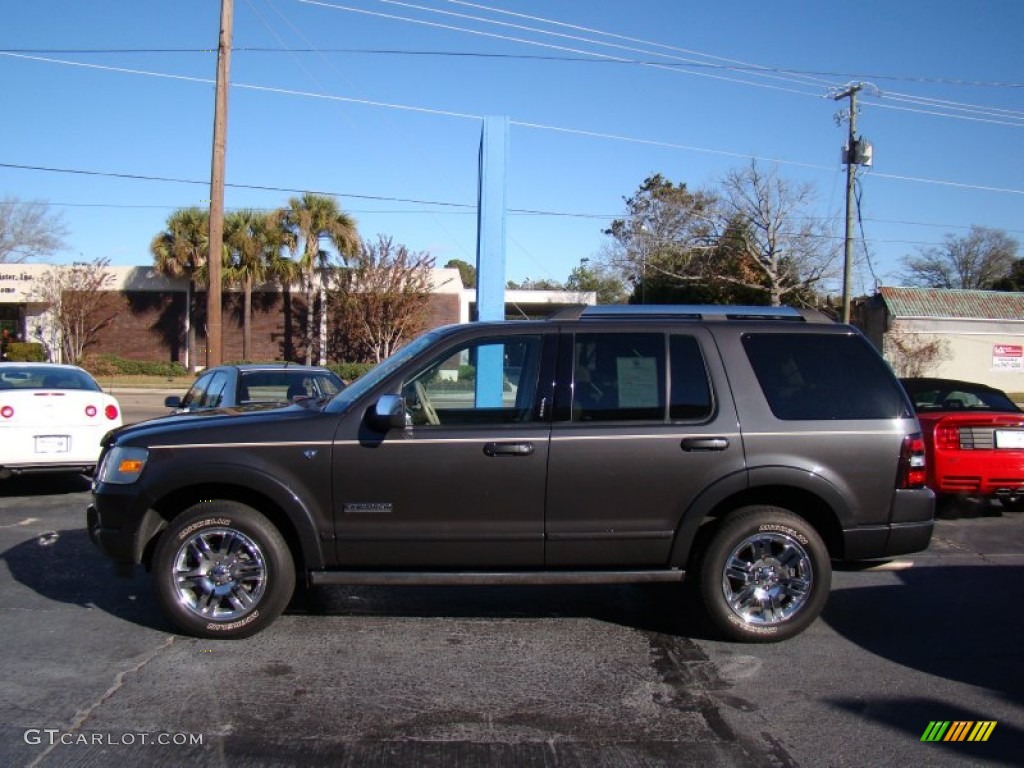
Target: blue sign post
(490,254)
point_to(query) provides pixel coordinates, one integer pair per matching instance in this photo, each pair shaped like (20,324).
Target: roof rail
(691,312)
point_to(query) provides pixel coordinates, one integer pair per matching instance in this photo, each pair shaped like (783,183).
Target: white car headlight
(122,465)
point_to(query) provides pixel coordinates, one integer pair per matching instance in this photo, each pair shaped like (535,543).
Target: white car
(52,418)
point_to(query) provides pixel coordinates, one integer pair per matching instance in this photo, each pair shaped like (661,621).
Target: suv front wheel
(221,569)
(765,575)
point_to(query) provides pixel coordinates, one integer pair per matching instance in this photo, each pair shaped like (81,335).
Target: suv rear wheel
(765,575)
(221,569)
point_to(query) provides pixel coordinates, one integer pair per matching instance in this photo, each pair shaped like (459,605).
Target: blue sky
(380,103)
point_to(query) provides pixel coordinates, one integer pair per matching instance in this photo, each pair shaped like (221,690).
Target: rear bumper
(979,473)
(910,530)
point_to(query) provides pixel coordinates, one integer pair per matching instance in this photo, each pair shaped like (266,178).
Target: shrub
(112,365)
(25,352)
(350,371)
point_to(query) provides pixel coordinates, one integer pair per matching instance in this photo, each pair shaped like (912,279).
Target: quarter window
(823,376)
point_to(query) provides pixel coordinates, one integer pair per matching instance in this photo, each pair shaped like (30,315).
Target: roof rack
(691,312)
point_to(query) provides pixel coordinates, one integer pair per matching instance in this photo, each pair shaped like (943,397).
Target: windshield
(372,378)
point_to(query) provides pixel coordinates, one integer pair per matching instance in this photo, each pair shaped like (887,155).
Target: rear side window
(619,377)
(824,377)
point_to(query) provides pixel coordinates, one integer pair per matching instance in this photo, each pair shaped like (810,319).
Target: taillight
(947,437)
(913,467)
(7,412)
(90,411)
(110,412)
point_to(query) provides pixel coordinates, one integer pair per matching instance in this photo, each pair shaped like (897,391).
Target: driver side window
(484,382)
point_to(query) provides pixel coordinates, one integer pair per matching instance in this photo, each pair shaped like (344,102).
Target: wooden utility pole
(214,325)
(851,176)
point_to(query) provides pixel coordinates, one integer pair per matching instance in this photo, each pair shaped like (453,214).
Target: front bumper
(120,529)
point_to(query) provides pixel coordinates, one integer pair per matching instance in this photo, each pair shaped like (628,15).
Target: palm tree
(181,251)
(255,240)
(312,218)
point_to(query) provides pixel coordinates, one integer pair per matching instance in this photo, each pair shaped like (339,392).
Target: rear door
(646,426)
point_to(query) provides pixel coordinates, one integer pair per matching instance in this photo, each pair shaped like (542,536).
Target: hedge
(112,365)
(25,352)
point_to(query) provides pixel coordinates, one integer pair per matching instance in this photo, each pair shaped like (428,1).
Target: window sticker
(638,382)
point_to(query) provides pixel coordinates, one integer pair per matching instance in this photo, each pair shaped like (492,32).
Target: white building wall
(984,351)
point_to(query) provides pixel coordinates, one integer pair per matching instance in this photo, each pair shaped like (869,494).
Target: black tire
(1013,504)
(221,569)
(764,576)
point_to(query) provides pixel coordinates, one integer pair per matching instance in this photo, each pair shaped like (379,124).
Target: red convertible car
(974,440)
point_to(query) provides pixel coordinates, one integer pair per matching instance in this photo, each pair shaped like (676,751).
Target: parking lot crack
(119,681)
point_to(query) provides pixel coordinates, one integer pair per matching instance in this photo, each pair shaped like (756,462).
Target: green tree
(977,260)
(528,284)
(312,219)
(664,236)
(181,251)
(586,278)
(255,240)
(466,270)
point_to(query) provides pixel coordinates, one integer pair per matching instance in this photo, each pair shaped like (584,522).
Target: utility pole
(851,175)
(214,334)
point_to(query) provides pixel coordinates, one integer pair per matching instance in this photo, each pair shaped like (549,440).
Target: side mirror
(387,413)
(172,402)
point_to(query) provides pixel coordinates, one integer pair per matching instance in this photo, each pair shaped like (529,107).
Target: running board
(469,578)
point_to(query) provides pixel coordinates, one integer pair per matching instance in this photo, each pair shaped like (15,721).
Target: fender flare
(744,485)
(277,489)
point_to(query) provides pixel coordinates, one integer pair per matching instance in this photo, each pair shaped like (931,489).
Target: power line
(534,57)
(731,64)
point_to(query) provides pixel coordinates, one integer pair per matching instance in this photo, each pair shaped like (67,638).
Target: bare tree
(381,297)
(79,305)
(28,231)
(977,260)
(769,228)
(755,241)
(912,355)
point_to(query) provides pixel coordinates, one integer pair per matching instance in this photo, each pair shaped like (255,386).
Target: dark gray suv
(745,447)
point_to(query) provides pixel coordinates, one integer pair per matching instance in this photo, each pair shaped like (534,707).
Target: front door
(462,485)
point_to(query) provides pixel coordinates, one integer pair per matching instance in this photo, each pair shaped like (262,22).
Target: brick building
(148,317)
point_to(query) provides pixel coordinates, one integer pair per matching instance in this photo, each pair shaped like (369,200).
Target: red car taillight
(110,412)
(947,437)
(7,412)
(913,467)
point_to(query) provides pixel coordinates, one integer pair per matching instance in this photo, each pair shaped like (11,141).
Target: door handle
(705,444)
(508,449)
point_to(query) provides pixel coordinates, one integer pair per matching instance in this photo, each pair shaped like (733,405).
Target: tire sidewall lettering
(200,524)
(785,530)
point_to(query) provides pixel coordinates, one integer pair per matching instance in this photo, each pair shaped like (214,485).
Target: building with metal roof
(958,334)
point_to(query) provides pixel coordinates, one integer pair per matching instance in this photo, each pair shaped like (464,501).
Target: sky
(109,114)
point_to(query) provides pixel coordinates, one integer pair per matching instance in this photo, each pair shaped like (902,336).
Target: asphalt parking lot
(585,676)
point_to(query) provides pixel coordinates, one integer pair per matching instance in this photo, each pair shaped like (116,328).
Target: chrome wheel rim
(767,578)
(220,574)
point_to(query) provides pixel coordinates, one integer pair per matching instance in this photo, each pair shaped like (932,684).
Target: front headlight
(122,465)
